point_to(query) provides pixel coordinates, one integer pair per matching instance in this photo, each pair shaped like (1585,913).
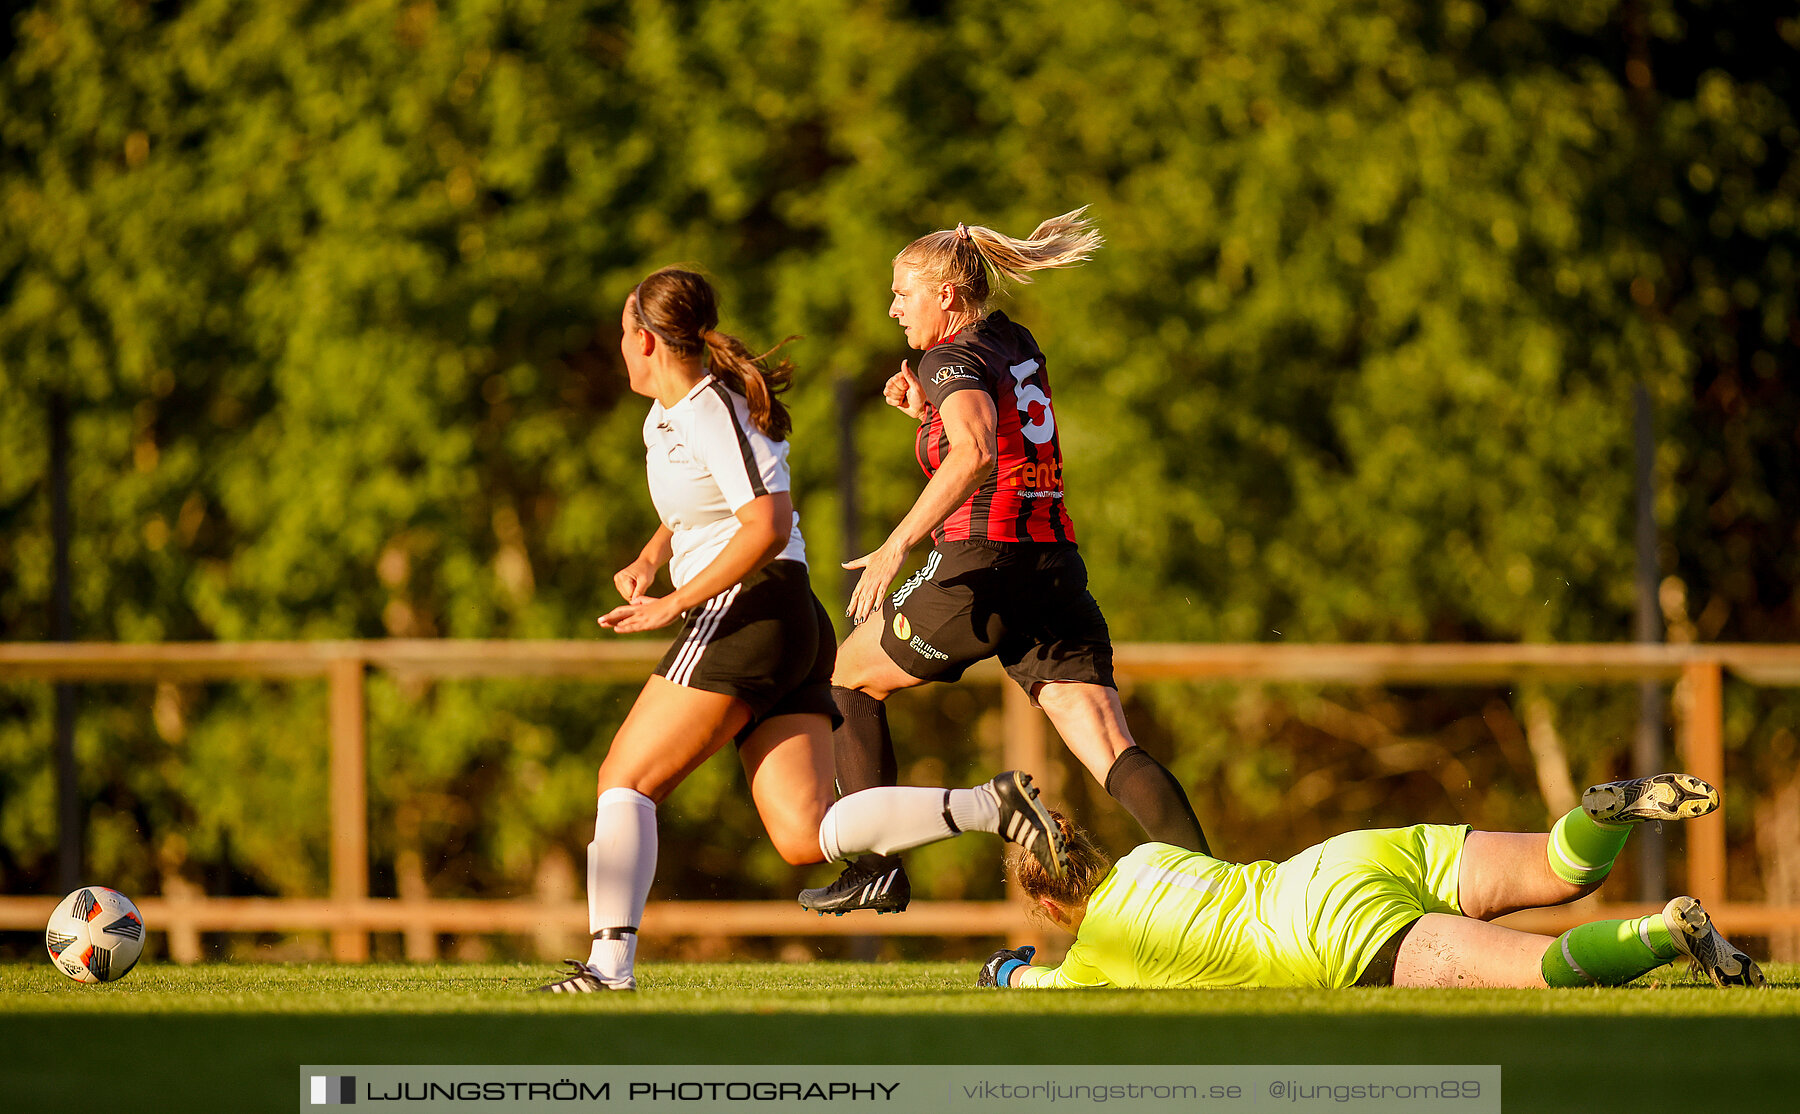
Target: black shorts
(1026,602)
(768,641)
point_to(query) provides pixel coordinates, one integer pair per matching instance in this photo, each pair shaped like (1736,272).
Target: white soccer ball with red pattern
(95,935)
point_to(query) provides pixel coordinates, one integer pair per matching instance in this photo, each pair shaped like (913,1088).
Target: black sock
(1155,800)
(862,746)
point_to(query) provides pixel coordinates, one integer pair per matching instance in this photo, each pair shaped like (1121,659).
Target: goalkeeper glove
(998,969)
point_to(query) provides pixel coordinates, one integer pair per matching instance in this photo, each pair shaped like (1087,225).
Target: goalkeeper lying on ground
(1394,907)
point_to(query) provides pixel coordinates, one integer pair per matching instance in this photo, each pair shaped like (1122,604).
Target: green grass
(231,1036)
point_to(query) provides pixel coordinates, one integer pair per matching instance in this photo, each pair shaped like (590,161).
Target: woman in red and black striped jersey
(1003,577)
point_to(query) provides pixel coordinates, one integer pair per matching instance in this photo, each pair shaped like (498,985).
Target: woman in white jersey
(754,655)
(753,659)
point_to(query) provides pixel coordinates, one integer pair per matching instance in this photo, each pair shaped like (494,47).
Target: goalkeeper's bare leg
(1502,872)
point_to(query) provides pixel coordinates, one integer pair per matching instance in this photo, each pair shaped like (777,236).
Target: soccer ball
(95,935)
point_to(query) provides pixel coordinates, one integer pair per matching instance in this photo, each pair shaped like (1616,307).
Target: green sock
(1609,953)
(1582,849)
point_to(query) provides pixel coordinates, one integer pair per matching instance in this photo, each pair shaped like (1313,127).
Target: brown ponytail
(754,377)
(682,310)
(1088,866)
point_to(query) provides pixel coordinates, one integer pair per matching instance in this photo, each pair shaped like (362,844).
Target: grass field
(230,1037)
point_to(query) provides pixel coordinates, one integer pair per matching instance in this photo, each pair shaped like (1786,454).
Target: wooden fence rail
(349,914)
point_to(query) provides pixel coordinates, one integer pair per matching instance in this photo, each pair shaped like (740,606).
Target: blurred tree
(333,289)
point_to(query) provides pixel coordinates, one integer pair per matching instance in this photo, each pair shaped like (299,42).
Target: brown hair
(978,260)
(680,308)
(1088,865)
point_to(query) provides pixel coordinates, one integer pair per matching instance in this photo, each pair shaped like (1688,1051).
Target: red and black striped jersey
(1022,499)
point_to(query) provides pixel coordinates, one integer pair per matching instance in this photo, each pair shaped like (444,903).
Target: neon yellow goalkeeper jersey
(1166,917)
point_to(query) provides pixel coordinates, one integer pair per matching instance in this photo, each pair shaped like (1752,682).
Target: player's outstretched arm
(999,968)
(970,424)
(1012,968)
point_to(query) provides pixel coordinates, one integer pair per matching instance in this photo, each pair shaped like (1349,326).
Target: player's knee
(852,671)
(865,681)
(866,688)
(1587,888)
(793,828)
(797,844)
(637,781)
(862,664)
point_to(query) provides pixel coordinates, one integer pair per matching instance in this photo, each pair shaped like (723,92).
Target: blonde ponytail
(979,261)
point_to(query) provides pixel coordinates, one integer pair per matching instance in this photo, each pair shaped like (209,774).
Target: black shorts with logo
(767,641)
(1026,602)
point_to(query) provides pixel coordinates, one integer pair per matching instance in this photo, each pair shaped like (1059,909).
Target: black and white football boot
(879,882)
(1709,953)
(581,979)
(875,882)
(1643,799)
(1026,821)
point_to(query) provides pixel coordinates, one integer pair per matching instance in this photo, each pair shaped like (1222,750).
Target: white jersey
(706,460)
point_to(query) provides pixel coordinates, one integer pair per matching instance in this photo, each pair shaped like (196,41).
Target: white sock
(975,810)
(892,818)
(621,865)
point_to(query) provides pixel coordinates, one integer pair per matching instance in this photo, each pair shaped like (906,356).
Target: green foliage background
(333,289)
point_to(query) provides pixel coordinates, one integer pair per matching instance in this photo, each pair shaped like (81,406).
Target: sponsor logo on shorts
(953,371)
(926,650)
(903,631)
